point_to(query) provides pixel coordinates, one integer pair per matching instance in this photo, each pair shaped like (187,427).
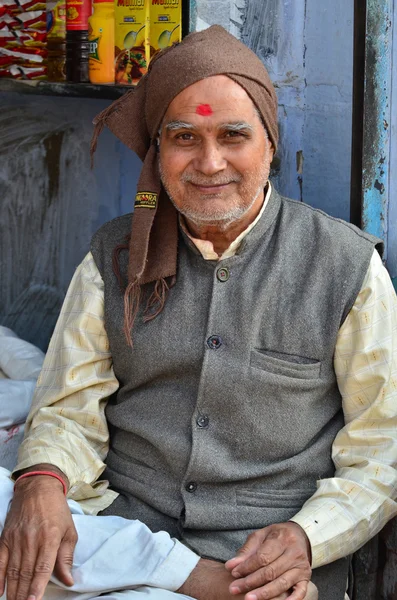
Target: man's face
(214,153)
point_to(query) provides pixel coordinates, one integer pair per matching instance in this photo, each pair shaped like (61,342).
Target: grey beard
(222,221)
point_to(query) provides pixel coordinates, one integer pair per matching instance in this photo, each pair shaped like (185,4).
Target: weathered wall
(307,47)
(392,224)
(51,202)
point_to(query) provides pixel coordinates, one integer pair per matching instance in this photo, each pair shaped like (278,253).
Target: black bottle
(77,45)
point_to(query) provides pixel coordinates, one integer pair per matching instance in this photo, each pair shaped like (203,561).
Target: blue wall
(307,46)
(51,202)
(392,220)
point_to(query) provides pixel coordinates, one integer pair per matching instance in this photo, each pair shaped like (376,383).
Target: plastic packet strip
(23,39)
(9,7)
(6,61)
(31,5)
(34,55)
(24,50)
(33,19)
(6,11)
(30,73)
(31,37)
(9,21)
(7,37)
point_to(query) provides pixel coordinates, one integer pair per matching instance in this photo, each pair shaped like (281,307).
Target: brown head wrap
(136,118)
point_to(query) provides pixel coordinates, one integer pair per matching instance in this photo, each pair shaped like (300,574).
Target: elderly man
(229,359)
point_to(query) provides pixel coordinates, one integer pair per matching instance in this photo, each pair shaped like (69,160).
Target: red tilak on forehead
(204,110)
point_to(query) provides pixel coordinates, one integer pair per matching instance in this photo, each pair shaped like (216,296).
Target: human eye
(184,137)
(235,135)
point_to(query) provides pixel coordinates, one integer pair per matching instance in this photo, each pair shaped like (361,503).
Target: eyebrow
(172,125)
(236,126)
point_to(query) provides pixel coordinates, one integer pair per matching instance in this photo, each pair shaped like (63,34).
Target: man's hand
(272,561)
(38,538)
(209,580)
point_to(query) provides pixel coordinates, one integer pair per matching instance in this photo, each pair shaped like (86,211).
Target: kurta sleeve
(66,426)
(350,508)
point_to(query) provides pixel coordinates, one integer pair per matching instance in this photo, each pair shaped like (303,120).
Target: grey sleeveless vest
(228,403)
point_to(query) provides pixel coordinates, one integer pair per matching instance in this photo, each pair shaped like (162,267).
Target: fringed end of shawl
(116,261)
(132,296)
(156,301)
(154,306)
(99,125)
(100,122)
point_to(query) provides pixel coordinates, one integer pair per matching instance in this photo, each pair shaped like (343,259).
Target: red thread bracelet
(49,473)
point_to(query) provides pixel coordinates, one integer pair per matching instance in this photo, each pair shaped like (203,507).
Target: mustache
(197,180)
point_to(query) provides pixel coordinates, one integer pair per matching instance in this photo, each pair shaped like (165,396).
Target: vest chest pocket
(274,498)
(288,365)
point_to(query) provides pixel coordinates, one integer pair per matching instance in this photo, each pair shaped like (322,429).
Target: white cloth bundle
(20,365)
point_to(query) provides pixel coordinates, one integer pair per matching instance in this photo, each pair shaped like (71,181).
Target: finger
(300,592)
(12,574)
(43,569)
(280,585)
(26,571)
(234,562)
(261,576)
(64,561)
(312,592)
(251,545)
(283,596)
(4,556)
(267,553)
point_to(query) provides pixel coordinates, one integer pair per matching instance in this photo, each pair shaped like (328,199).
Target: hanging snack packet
(7,39)
(33,19)
(131,40)
(56,19)
(9,7)
(28,73)
(29,55)
(22,38)
(9,22)
(165,23)
(31,5)
(5,61)
(34,38)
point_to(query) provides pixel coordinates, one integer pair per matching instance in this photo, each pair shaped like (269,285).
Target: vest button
(214,342)
(202,421)
(191,486)
(223,274)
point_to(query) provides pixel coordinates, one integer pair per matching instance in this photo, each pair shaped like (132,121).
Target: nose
(209,159)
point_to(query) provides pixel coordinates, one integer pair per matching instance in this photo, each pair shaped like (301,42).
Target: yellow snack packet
(132,52)
(165,23)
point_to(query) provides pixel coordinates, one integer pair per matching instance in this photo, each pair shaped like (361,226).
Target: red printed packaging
(31,5)
(31,37)
(8,22)
(77,13)
(30,73)
(31,55)
(9,7)
(33,19)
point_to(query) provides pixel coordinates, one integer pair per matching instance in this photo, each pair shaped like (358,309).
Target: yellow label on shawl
(145,200)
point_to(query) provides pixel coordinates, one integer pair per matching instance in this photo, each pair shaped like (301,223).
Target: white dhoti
(115,558)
